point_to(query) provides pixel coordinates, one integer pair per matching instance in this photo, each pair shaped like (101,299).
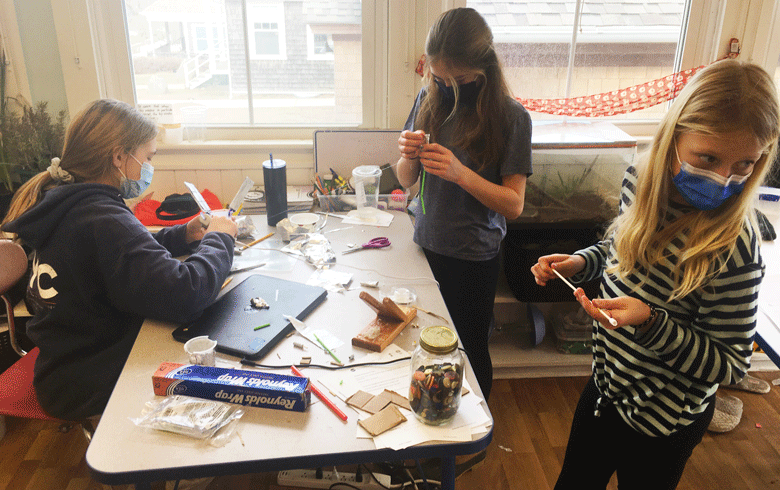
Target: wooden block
(390,320)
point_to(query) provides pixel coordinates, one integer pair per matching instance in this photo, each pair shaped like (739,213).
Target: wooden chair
(17,397)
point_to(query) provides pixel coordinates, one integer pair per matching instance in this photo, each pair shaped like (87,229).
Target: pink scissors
(378,242)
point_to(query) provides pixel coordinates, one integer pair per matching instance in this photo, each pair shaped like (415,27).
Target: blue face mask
(467,92)
(704,189)
(130,189)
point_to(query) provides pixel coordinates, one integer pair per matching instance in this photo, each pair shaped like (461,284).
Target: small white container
(201,350)
(366,184)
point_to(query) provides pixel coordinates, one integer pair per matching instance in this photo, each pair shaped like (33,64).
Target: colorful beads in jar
(437,376)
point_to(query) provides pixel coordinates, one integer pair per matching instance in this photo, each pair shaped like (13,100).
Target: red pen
(321,396)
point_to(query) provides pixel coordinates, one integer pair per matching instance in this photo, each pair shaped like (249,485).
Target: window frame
(256,14)
(393,38)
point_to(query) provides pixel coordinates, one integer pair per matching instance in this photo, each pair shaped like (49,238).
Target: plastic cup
(366,183)
(201,350)
(194,123)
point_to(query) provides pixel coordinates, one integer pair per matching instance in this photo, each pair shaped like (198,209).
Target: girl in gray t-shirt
(468,142)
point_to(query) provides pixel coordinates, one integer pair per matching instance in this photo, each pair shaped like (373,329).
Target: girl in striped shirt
(680,272)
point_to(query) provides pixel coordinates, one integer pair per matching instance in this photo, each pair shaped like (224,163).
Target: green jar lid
(438,339)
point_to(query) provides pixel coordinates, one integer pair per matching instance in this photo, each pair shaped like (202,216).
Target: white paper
(377,217)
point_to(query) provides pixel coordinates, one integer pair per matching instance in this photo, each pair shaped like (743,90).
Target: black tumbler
(275,177)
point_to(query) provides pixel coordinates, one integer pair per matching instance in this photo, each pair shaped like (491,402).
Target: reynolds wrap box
(248,388)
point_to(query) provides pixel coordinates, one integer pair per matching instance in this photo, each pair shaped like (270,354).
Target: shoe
(728,413)
(751,384)
(432,467)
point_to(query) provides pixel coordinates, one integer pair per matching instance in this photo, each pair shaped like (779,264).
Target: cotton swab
(612,321)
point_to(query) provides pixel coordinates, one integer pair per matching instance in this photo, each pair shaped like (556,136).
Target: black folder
(232,320)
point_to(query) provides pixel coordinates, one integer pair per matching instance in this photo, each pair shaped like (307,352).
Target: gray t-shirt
(454,223)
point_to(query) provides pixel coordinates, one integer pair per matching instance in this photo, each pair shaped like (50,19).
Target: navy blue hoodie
(97,272)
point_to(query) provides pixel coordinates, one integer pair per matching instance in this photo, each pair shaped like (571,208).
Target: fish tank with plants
(578,169)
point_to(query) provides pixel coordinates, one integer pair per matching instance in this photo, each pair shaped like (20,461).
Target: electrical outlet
(308,479)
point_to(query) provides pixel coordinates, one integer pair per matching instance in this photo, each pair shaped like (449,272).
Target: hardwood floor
(532,418)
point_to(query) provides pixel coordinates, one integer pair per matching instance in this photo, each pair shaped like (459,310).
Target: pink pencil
(321,396)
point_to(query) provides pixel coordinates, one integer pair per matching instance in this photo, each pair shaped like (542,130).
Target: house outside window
(266,31)
(616,45)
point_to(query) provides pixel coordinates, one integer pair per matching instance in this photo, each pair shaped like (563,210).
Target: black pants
(469,291)
(601,446)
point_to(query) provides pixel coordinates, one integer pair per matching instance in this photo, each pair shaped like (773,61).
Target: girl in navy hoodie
(97,272)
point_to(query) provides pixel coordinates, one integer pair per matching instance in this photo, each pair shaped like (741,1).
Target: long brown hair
(87,155)
(461,38)
(726,96)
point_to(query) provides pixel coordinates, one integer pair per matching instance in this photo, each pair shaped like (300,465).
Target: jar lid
(367,171)
(438,339)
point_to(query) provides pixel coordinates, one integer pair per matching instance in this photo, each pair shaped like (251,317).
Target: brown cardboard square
(378,402)
(359,399)
(399,400)
(382,421)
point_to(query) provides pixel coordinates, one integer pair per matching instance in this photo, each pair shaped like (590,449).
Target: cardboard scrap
(377,403)
(383,421)
(373,404)
(359,398)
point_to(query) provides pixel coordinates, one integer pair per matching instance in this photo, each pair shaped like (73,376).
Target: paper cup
(201,350)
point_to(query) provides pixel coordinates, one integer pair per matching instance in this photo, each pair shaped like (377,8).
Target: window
(320,44)
(353,66)
(266,33)
(257,63)
(615,45)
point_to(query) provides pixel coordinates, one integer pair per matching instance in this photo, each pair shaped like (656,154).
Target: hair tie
(58,173)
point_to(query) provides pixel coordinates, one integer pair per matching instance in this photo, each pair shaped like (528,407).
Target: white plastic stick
(612,321)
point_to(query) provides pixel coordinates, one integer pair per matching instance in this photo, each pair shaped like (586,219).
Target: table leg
(448,473)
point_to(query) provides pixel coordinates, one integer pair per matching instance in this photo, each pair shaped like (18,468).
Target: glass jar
(437,376)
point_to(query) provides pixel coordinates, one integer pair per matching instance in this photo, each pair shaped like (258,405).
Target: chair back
(13,265)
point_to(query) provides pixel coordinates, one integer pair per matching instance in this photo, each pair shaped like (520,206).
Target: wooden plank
(390,320)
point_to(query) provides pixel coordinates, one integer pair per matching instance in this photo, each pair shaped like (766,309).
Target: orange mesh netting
(619,101)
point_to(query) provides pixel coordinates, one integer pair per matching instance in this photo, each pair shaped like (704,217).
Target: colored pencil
(321,396)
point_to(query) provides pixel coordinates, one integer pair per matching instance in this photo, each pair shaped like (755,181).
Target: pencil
(321,396)
(612,321)
(326,349)
(227,281)
(256,241)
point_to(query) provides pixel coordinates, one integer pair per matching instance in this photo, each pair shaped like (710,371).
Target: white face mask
(130,189)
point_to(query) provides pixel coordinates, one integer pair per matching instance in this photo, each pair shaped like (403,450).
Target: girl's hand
(223,224)
(566,265)
(195,230)
(625,310)
(410,143)
(441,162)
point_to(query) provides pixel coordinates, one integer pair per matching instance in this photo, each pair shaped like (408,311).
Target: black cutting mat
(231,321)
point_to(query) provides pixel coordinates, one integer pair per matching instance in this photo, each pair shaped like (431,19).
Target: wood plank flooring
(532,418)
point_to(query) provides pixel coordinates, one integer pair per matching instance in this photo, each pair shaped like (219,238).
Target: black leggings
(469,291)
(601,446)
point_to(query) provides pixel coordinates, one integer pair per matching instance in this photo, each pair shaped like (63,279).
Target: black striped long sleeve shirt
(662,380)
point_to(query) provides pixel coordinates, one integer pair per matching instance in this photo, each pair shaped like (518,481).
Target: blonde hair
(726,96)
(461,38)
(87,155)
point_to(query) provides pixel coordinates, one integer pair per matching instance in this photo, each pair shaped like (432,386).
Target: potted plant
(29,138)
